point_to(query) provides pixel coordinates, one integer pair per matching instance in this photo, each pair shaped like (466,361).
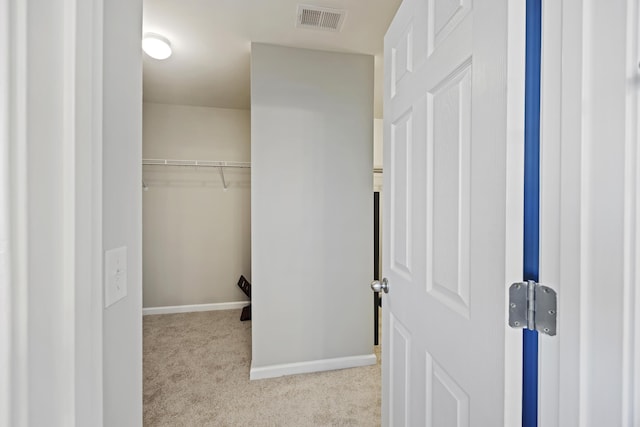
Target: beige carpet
(196,373)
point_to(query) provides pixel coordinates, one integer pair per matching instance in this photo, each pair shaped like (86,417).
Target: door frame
(573,118)
(5,293)
(64,71)
(515,203)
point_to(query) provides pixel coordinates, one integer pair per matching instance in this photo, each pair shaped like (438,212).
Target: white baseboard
(273,371)
(193,308)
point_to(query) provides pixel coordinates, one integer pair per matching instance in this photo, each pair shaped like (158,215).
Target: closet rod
(203,163)
(207,163)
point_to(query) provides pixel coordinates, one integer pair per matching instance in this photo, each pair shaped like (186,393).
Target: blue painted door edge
(531,202)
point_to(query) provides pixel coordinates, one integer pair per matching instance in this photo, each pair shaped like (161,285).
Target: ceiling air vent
(320,18)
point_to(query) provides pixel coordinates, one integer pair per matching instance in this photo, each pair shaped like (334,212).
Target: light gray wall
(197,237)
(377,153)
(122,208)
(377,143)
(312,225)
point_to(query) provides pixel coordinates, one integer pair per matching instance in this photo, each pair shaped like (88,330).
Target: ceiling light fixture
(156,46)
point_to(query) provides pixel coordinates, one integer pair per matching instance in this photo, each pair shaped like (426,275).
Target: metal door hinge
(533,306)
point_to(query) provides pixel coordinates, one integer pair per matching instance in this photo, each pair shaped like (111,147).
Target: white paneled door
(445,214)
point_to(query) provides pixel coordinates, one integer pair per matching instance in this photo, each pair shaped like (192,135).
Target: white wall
(122,208)
(197,237)
(312,198)
(377,142)
(377,154)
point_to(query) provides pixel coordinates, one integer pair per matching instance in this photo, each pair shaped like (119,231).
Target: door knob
(376,286)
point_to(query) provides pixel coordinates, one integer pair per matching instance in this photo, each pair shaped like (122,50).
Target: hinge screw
(546,329)
(513,305)
(516,323)
(552,312)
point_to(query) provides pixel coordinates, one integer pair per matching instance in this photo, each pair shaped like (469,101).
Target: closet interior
(275,195)
(196,175)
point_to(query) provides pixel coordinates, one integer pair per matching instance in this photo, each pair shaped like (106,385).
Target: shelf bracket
(224,182)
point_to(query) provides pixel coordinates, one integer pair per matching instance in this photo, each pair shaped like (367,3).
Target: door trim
(631,333)
(515,196)
(5,226)
(572,74)
(73,385)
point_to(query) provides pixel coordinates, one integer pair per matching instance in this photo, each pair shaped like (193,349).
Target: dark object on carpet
(245,286)
(246,313)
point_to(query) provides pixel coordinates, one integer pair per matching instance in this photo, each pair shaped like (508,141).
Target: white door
(446,208)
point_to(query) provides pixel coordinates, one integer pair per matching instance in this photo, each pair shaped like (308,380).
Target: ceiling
(211,41)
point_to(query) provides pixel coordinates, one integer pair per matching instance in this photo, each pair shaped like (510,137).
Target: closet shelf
(220,164)
(201,163)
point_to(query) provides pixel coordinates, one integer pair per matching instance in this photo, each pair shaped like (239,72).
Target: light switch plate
(115,275)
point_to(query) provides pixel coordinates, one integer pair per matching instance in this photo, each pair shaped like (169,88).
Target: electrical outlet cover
(115,275)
